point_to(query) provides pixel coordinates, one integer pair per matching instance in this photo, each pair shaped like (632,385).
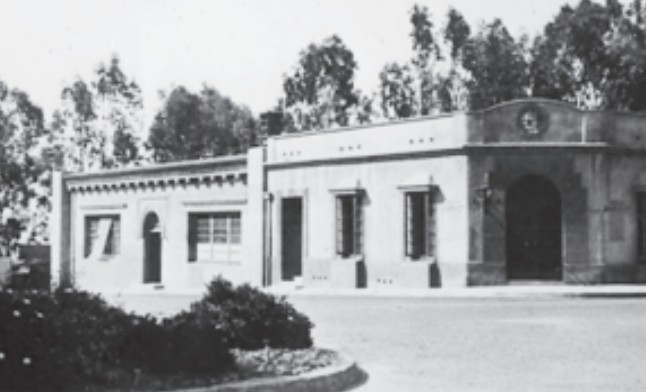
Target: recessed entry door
(292,238)
(533,230)
(152,249)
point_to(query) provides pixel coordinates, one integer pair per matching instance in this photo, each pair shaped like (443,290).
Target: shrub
(72,340)
(24,334)
(88,334)
(252,319)
(53,342)
(180,344)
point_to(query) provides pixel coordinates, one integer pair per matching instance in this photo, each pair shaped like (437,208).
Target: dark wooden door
(292,238)
(152,249)
(533,230)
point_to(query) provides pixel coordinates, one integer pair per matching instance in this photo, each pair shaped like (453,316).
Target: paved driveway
(439,344)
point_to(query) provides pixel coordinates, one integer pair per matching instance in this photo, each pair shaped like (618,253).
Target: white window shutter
(103,231)
(357,245)
(192,237)
(429,205)
(408,231)
(339,225)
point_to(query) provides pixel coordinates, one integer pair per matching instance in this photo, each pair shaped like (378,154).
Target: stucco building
(530,190)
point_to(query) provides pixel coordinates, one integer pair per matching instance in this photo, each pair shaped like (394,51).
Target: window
(102,235)
(641,225)
(214,236)
(349,225)
(420,224)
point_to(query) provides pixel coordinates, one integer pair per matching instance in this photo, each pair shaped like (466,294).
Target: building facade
(529,190)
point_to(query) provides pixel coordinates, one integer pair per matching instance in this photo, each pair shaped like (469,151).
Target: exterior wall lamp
(484,192)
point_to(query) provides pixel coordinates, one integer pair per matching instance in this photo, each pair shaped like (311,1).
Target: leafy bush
(89,333)
(24,336)
(72,340)
(252,319)
(56,342)
(180,344)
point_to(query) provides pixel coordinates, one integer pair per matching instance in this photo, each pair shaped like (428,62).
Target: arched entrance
(152,249)
(533,229)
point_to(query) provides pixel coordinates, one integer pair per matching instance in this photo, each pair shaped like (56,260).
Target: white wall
(172,204)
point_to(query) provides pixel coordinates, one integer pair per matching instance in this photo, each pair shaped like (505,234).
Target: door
(533,230)
(152,249)
(292,238)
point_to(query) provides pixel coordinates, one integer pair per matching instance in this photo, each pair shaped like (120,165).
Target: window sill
(423,259)
(215,262)
(154,285)
(349,258)
(102,258)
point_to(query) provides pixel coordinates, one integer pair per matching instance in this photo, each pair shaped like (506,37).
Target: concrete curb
(491,292)
(336,378)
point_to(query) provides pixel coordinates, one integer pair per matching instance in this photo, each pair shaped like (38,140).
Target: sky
(241,47)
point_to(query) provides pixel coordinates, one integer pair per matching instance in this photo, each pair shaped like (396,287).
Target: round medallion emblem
(532,120)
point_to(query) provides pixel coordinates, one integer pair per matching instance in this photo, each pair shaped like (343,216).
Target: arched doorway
(152,249)
(533,229)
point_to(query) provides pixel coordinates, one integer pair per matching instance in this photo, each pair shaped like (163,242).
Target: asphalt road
(439,344)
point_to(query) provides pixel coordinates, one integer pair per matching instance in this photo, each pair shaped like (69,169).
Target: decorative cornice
(129,183)
(180,166)
(196,172)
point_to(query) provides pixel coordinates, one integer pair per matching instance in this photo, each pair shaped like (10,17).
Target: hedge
(72,340)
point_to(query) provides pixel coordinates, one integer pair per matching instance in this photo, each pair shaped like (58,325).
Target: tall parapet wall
(540,121)
(530,122)
(402,137)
